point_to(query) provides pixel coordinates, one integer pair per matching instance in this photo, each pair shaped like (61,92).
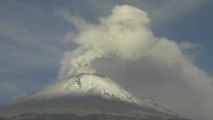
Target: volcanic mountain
(84,97)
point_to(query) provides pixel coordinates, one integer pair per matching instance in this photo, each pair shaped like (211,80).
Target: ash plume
(124,34)
(162,67)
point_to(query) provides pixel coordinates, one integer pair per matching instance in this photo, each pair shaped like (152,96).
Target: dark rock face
(88,104)
(48,116)
(85,108)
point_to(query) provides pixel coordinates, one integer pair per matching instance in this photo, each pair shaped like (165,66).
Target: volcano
(85,97)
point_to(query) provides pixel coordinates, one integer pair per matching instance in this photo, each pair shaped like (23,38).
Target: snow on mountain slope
(149,101)
(82,85)
(86,85)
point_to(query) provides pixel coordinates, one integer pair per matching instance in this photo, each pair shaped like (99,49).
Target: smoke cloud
(162,67)
(125,34)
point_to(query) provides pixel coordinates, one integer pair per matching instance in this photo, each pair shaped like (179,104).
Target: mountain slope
(85,95)
(86,85)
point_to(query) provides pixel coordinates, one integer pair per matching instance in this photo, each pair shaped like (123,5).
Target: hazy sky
(33,40)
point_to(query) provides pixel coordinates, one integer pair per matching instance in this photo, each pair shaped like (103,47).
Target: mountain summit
(83,96)
(82,85)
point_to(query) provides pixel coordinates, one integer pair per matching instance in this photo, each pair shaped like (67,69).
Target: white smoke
(125,34)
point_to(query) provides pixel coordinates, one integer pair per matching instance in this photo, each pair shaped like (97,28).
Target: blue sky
(32,35)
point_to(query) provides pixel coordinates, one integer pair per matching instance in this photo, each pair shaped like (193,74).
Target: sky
(177,72)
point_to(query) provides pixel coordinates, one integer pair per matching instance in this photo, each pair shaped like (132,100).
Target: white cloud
(119,34)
